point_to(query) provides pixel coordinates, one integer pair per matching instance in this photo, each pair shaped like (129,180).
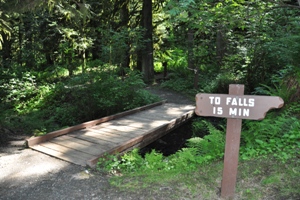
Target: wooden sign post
(235,107)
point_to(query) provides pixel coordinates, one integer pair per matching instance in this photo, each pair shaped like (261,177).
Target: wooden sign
(234,107)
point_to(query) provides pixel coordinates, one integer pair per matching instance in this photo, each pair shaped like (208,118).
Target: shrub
(181,83)
(87,97)
(277,135)
(285,84)
(43,108)
(199,151)
(220,83)
(23,94)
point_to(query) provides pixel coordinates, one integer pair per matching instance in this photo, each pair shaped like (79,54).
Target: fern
(199,151)
(154,161)
(211,145)
(277,135)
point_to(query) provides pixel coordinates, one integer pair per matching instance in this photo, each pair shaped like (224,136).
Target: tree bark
(124,24)
(147,56)
(220,46)
(190,44)
(7,51)
(28,31)
(191,59)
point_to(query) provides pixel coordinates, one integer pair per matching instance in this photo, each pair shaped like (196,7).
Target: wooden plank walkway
(85,143)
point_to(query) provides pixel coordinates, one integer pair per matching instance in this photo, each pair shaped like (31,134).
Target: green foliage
(114,48)
(43,108)
(158,67)
(100,94)
(250,42)
(24,94)
(33,123)
(276,135)
(179,82)
(5,27)
(133,162)
(198,152)
(130,161)
(186,158)
(283,46)
(257,179)
(285,84)
(211,145)
(154,161)
(276,90)
(220,83)
(176,60)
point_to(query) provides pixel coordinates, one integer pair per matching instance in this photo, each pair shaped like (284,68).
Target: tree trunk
(49,60)
(83,61)
(190,44)
(220,46)
(124,24)
(147,56)
(139,53)
(30,59)
(96,50)
(6,51)
(20,40)
(191,59)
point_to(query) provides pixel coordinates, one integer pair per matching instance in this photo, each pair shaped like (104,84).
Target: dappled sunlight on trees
(197,45)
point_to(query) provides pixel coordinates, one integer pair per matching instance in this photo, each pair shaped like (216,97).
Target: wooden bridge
(85,143)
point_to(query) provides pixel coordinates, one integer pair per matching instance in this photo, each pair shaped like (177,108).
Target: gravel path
(28,174)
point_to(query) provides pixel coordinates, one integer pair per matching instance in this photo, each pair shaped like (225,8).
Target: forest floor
(28,174)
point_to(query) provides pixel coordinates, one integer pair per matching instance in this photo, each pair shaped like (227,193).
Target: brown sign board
(236,106)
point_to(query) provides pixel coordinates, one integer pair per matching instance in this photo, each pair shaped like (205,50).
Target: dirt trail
(28,174)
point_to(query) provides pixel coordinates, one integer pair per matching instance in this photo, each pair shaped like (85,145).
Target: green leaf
(259,141)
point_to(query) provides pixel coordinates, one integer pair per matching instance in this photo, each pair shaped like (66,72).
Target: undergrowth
(257,178)
(276,137)
(198,151)
(31,106)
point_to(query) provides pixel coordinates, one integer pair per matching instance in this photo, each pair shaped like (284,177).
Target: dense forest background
(65,62)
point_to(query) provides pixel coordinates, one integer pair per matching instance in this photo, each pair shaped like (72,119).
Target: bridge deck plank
(60,152)
(85,145)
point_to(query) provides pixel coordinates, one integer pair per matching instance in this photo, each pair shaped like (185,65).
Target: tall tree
(147,55)
(124,24)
